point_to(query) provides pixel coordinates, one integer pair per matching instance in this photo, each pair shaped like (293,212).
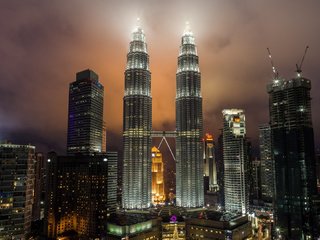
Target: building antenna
(299,67)
(274,70)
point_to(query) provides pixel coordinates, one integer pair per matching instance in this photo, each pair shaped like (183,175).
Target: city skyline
(66,44)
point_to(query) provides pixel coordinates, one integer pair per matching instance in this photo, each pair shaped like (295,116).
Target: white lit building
(236,162)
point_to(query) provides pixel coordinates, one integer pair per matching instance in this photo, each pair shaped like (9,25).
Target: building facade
(189,126)
(81,194)
(85,114)
(158,194)
(137,124)
(209,163)
(293,155)
(39,187)
(267,163)
(236,162)
(16,190)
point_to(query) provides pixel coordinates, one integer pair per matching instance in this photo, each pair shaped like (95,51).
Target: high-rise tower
(294,156)
(267,163)
(189,125)
(85,117)
(137,123)
(236,162)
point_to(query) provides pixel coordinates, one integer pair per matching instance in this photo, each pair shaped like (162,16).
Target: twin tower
(137,126)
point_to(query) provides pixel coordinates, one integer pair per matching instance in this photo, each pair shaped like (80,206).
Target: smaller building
(81,194)
(135,226)
(217,225)
(158,195)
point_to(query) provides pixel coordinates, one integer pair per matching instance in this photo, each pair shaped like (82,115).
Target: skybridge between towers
(164,135)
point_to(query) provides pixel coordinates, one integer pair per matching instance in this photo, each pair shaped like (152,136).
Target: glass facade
(189,126)
(293,155)
(137,124)
(236,162)
(16,190)
(85,117)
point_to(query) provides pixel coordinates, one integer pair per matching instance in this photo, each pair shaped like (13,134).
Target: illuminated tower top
(188,57)
(138,55)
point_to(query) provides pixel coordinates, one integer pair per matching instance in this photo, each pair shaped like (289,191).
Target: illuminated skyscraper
(85,119)
(236,162)
(294,156)
(158,195)
(189,126)
(137,124)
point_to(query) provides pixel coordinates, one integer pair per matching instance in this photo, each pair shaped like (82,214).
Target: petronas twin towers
(137,125)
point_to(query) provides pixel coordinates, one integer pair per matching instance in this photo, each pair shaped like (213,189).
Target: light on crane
(299,67)
(274,70)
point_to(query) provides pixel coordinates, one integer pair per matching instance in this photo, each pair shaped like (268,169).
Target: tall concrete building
(267,163)
(189,125)
(158,194)
(16,190)
(81,194)
(294,156)
(236,162)
(85,115)
(137,124)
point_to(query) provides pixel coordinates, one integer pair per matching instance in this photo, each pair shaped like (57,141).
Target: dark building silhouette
(16,189)
(189,126)
(220,169)
(85,115)
(293,155)
(39,187)
(267,163)
(81,194)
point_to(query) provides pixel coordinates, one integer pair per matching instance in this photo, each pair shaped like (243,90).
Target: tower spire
(187,29)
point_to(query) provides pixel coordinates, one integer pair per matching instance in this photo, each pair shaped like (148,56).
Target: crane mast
(274,70)
(299,67)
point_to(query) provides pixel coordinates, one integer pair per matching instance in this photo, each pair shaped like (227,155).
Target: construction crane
(274,70)
(299,67)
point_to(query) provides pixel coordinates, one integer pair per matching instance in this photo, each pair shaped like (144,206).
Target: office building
(16,189)
(85,114)
(137,124)
(267,164)
(158,194)
(236,162)
(293,155)
(81,194)
(189,126)
(209,163)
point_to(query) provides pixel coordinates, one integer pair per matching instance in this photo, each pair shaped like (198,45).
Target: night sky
(44,43)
